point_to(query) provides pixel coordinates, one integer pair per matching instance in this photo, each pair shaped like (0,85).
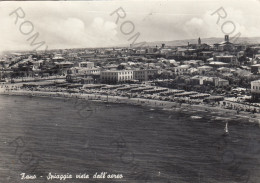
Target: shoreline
(164,105)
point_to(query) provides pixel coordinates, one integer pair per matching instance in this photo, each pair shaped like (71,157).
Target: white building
(204,69)
(182,69)
(85,71)
(115,76)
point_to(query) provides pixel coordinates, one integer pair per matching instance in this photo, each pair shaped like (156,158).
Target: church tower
(199,41)
(227,38)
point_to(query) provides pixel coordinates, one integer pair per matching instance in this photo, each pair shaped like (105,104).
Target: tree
(121,67)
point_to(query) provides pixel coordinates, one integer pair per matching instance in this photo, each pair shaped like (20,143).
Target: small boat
(226,130)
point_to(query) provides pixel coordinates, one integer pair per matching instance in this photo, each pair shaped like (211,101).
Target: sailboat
(226,130)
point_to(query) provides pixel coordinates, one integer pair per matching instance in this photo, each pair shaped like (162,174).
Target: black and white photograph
(130,91)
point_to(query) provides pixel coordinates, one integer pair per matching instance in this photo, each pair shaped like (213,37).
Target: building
(255,69)
(256,58)
(87,80)
(255,90)
(63,67)
(90,71)
(225,45)
(141,51)
(116,76)
(199,45)
(182,69)
(226,59)
(207,54)
(198,80)
(89,65)
(204,69)
(220,82)
(85,71)
(70,78)
(144,75)
(58,58)
(181,51)
(4,64)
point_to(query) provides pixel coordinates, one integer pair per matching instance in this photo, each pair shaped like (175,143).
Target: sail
(226,128)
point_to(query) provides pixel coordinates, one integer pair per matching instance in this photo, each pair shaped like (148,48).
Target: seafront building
(116,76)
(120,76)
(255,90)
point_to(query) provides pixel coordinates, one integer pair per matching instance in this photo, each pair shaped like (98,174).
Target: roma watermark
(228,160)
(127,27)
(26,157)
(224,23)
(84,109)
(127,157)
(27,28)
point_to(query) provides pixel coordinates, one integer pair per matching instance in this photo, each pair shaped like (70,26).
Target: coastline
(224,114)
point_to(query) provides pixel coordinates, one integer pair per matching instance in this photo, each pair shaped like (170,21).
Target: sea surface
(40,135)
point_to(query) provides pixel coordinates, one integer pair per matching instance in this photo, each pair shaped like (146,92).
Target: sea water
(40,135)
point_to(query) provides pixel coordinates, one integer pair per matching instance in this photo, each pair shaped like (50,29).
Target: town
(223,74)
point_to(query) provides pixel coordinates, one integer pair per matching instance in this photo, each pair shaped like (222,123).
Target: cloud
(104,31)
(59,33)
(235,22)
(195,27)
(89,24)
(74,32)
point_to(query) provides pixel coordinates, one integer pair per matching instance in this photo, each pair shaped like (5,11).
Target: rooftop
(217,63)
(256,81)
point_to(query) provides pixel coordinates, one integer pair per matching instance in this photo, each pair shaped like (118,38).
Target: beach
(151,103)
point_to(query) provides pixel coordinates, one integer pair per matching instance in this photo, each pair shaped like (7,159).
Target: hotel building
(116,76)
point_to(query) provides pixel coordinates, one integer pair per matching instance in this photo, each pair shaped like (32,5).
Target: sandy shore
(165,105)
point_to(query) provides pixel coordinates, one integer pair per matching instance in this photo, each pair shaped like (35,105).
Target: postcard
(129,91)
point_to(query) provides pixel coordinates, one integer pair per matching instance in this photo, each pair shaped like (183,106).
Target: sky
(83,24)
